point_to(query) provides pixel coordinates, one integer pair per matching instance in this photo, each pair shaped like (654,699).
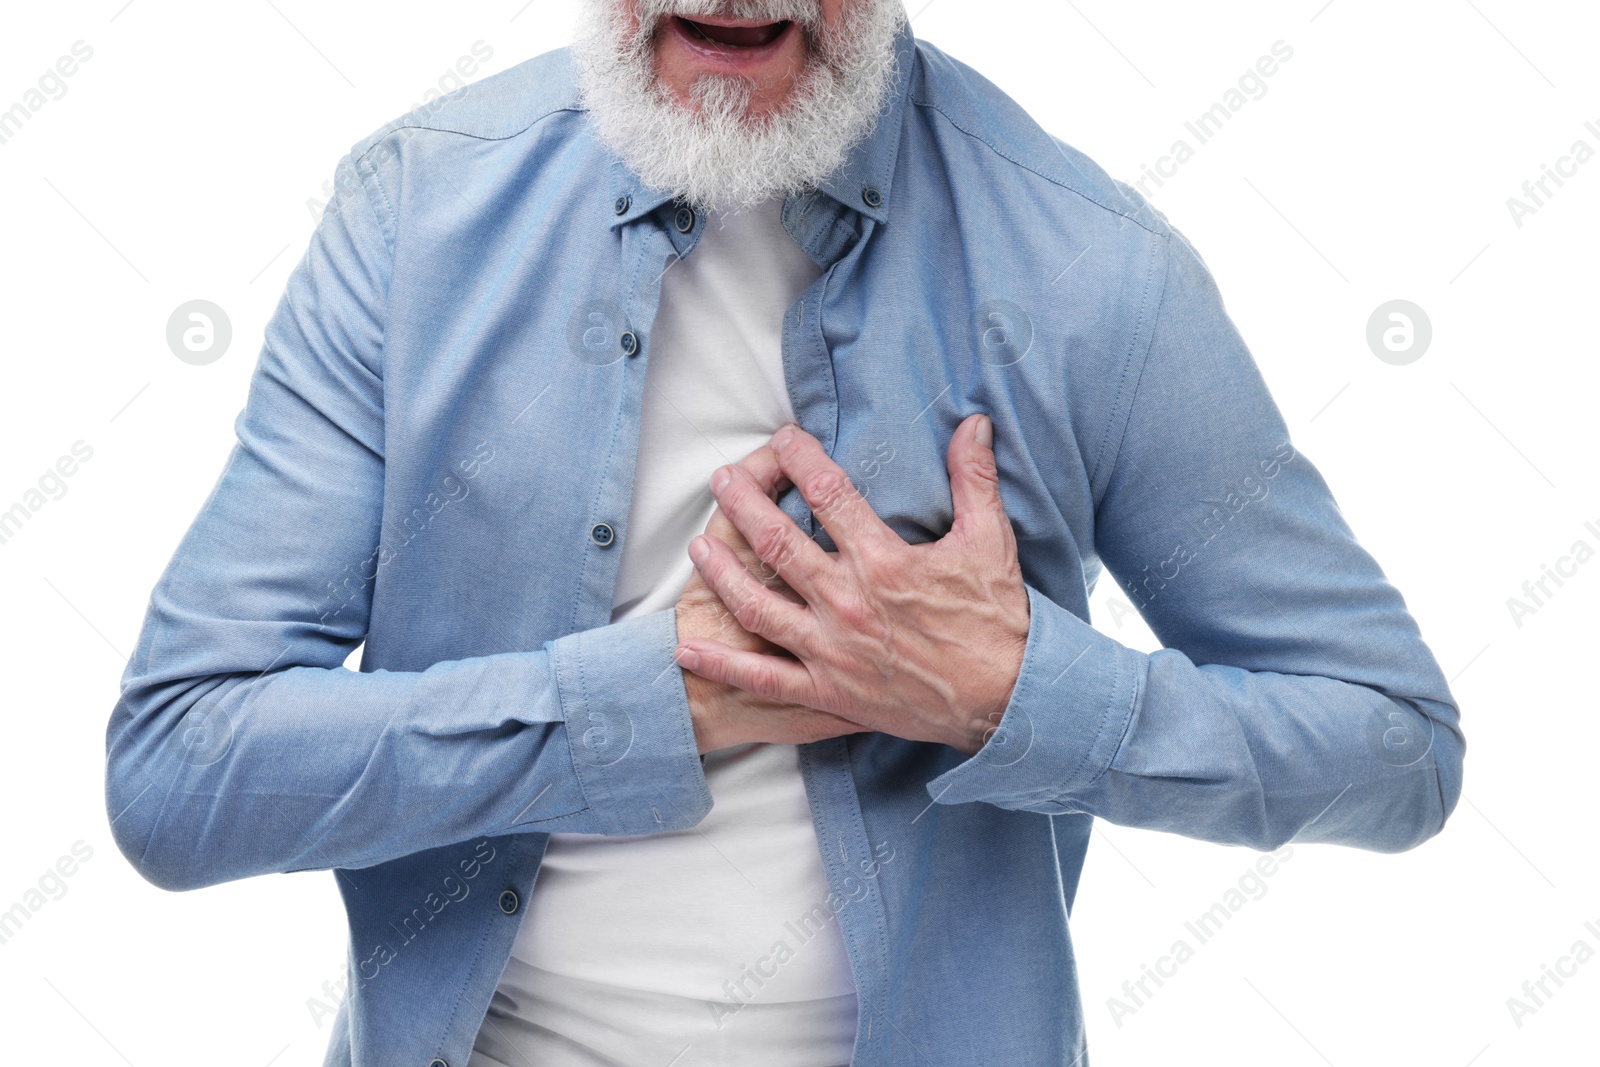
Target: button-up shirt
(436,457)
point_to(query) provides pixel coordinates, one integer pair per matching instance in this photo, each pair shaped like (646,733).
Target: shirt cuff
(628,726)
(1074,698)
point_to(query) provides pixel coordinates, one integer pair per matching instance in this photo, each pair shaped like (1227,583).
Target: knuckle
(879,558)
(831,490)
(737,494)
(853,610)
(763,679)
(771,543)
(984,472)
(752,613)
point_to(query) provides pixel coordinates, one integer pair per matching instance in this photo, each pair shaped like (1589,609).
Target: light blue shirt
(437,457)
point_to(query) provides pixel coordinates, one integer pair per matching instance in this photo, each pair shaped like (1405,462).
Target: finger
(975,480)
(833,498)
(772,677)
(756,608)
(763,468)
(771,534)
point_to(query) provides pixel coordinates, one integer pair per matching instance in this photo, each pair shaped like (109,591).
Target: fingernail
(719,480)
(688,657)
(698,551)
(784,435)
(986,432)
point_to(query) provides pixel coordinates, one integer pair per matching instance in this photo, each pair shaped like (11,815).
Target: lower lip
(731,59)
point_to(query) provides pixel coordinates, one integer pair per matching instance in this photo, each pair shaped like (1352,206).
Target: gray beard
(717,157)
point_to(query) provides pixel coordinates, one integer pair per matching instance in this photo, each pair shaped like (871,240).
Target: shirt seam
(395,127)
(933,106)
(365,167)
(1127,724)
(1104,459)
(566,720)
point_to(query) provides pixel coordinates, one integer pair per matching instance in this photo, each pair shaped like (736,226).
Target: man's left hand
(924,641)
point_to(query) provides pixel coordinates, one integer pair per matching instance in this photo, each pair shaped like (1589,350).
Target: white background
(1377,166)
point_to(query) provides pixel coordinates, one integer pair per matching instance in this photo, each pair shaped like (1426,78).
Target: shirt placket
(647,252)
(814,221)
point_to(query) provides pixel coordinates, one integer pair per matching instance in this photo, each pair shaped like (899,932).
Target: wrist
(984,720)
(710,725)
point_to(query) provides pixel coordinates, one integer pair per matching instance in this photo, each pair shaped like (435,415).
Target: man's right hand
(724,716)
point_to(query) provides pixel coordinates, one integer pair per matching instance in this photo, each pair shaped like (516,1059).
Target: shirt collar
(862,183)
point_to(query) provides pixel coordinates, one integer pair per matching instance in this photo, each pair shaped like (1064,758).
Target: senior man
(813,788)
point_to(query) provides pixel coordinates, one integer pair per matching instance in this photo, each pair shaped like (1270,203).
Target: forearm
(1213,752)
(213,777)
(1294,697)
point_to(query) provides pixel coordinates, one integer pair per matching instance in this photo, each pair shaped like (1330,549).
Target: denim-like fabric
(443,414)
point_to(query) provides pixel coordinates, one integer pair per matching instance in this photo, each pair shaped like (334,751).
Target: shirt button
(508,902)
(602,534)
(438,1063)
(684,219)
(630,343)
(871,197)
(621,205)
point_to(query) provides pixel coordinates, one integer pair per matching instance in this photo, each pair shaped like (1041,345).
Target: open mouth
(731,37)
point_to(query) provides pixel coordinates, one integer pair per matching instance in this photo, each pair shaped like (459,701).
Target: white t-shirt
(713,946)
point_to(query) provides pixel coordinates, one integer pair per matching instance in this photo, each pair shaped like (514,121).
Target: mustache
(807,13)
